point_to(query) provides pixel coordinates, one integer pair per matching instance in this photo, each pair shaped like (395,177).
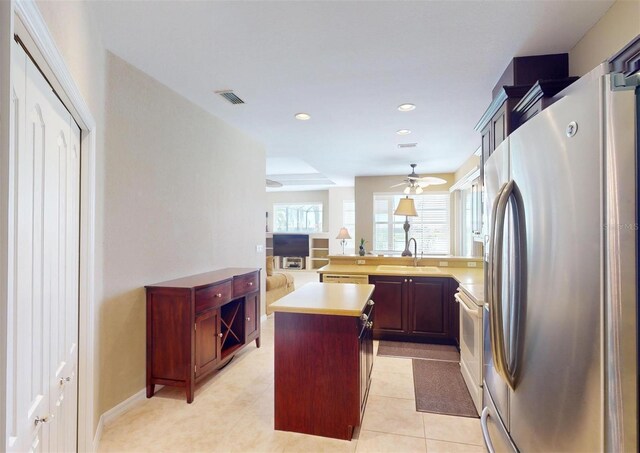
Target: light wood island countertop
(342,299)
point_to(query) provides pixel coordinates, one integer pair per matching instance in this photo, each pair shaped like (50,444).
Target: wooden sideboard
(196,324)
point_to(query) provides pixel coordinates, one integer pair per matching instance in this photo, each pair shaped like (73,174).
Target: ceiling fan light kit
(416,183)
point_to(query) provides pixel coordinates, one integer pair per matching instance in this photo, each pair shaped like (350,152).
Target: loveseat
(279,284)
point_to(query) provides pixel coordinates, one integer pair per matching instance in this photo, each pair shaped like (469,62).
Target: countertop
(471,279)
(342,299)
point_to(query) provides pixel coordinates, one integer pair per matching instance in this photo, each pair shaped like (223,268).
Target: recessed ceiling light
(403,132)
(406,107)
(302,116)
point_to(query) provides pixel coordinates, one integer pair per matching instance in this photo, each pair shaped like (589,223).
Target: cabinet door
(390,300)
(251,313)
(499,127)
(487,149)
(207,341)
(429,307)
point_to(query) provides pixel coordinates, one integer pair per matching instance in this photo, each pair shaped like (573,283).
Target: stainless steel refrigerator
(560,355)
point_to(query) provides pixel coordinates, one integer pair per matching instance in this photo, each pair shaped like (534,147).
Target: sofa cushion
(277,281)
(269,266)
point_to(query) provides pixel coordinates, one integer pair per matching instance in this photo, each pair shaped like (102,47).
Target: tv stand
(293,262)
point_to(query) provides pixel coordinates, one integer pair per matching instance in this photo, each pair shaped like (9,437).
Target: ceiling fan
(272,183)
(417,183)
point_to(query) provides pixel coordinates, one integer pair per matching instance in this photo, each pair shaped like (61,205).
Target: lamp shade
(406,207)
(343,234)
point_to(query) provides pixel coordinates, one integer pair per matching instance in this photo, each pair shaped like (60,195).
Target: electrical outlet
(360,261)
(443,263)
(472,264)
(259,248)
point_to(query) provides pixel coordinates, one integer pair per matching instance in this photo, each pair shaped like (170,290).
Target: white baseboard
(263,318)
(112,414)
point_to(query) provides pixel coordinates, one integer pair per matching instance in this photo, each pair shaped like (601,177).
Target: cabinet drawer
(213,296)
(244,284)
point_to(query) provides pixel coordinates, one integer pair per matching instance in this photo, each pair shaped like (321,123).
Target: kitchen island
(323,358)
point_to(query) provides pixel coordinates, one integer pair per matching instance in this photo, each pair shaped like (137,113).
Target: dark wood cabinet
(391,303)
(195,325)
(539,97)
(429,306)
(414,308)
(252,316)
(522,73)
(207,330)
(322,371)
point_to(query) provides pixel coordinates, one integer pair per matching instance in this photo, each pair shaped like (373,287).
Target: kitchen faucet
(415,251)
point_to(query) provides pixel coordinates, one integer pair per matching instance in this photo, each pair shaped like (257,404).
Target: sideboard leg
(150,390)
(258,342)
(190,392)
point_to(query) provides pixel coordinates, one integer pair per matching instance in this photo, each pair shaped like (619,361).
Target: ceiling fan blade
(431,180)
(272,183)
(398,185)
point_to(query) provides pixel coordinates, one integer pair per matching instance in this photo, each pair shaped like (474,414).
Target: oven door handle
(463,304)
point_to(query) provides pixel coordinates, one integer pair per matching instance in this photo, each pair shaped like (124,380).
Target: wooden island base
(322,371)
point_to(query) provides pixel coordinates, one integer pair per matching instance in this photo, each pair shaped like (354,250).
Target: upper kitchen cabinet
(521,74)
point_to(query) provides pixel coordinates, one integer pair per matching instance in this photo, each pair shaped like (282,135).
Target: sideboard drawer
(244,284)
(213,296)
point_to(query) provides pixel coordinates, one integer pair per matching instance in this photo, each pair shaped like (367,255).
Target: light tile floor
(233,411)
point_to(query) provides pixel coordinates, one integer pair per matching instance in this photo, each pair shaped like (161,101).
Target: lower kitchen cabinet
(414,309)
(429,307)
(391,303)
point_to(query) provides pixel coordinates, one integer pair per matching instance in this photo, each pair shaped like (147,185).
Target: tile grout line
(396,434)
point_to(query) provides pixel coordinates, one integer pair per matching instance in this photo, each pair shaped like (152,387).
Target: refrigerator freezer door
(556,161)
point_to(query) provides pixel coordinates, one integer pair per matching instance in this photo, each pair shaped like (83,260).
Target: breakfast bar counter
(323,358)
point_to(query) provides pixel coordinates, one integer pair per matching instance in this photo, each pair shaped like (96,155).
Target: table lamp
(407,208)
(343,234)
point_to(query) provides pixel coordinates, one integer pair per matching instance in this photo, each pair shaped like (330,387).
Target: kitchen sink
(409,269)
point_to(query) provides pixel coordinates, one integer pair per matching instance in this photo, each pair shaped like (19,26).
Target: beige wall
(366,186)
(302,196)
(613,31)
(173,207)
(74,31)
(168,202)
(469,165)
(337,196)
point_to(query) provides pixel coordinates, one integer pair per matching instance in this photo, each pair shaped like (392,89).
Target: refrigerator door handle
(492,232)
(496,320)
(485,430)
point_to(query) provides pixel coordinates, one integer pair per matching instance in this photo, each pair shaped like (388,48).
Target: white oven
(471,346)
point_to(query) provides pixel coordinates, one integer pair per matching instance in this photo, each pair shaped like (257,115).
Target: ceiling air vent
(230,96)
(407,145)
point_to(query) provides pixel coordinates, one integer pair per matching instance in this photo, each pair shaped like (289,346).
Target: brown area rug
(440,389)
(419,350)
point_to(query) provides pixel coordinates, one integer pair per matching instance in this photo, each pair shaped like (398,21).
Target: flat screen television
(289,245)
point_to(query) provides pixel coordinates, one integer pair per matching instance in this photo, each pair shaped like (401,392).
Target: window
(431,228)
(349,222)
(297,218)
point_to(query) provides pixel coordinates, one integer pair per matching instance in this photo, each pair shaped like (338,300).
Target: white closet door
(45,272)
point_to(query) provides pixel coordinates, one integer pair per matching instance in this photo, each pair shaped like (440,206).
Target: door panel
(389,296)
(207,341)
(430,308)
(251,310)
(44,249)
(558,180)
